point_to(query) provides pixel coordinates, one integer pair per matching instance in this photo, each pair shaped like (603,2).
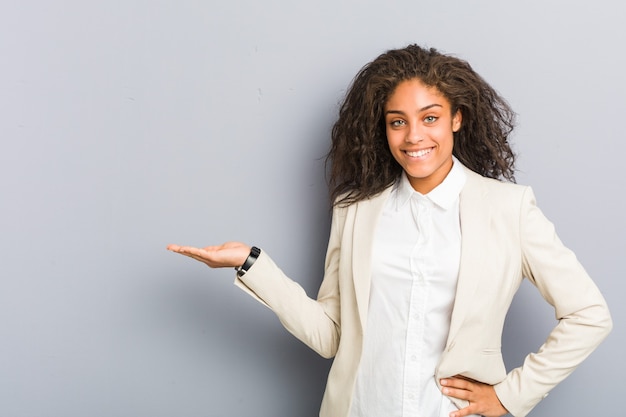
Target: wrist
(250,260)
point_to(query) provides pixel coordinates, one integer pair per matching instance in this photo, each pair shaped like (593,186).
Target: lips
(417,154)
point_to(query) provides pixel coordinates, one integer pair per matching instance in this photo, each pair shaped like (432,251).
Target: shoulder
(341,209)
(491,187)
(501,195)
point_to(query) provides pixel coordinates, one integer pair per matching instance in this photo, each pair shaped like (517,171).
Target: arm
(582,314)
(583,318)
(314,322)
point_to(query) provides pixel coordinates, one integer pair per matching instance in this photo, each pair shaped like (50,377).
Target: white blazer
(505,237)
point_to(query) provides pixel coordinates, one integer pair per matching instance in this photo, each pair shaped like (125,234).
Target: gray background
(128,125)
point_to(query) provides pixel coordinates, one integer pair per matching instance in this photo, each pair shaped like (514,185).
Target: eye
(397,123)
(430,119)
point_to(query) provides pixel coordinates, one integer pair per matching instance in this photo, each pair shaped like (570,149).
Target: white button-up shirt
(415,264)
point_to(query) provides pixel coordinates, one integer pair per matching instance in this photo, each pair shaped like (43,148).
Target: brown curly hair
(360,162)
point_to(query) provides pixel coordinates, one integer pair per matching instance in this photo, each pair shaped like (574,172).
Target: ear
(456,121)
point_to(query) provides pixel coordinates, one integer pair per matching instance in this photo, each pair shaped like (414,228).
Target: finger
(191,250)
(455,382)
(213,248)
(182,249)
(208,262)
(197,254)
(457,393)
(467,411)
(185,251)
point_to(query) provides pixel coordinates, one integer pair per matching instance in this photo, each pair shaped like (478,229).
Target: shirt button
(413,358)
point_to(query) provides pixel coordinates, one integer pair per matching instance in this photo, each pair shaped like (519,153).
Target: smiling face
(420,127)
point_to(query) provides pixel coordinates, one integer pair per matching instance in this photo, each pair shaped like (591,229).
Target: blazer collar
(366,220)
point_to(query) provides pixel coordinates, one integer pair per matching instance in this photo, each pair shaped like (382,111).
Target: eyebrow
(430,106)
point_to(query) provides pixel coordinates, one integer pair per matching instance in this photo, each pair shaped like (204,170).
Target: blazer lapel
(475,218)
(366,218)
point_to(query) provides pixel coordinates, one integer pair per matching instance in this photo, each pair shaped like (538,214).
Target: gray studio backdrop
(128,125)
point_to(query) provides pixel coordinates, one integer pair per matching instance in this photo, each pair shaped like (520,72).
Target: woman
(427,248)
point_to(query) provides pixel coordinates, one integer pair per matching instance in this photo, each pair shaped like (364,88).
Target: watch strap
(252,257)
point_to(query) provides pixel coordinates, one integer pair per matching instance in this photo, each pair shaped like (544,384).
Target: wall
(128,125)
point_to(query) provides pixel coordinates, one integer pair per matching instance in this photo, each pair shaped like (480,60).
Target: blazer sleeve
(316,322)
(582,314)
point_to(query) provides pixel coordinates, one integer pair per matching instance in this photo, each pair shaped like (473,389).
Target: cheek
(393,139)
(389,135)
(447,139)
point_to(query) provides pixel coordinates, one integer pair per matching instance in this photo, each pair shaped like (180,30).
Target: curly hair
(361,164)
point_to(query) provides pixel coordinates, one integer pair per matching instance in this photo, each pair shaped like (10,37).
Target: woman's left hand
(229,254)
(482,397)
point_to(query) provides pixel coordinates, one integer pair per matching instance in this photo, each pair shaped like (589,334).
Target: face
(420,127)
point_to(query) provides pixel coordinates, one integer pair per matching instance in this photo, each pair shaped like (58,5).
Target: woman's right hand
(230,254)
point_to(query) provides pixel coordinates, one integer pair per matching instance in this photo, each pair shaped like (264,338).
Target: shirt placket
(414,351)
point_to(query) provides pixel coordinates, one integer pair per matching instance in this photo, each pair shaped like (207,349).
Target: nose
(413,134)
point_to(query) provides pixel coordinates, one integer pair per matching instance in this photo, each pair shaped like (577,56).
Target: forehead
(415,92)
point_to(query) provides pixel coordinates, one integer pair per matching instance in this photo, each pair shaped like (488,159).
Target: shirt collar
(443,195)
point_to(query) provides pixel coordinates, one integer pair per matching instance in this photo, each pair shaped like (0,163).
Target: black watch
(254,254)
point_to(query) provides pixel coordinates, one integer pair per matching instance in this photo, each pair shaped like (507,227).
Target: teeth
(418,153)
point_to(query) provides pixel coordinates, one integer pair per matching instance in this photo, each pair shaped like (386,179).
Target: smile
(417,154)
